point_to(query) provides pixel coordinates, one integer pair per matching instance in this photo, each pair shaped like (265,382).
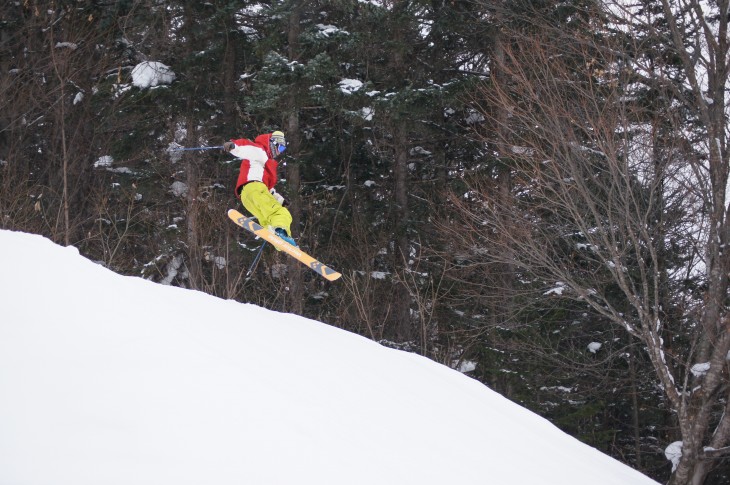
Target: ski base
(251,225)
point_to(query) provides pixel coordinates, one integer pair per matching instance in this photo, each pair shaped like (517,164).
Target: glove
(279,198)
(228,146)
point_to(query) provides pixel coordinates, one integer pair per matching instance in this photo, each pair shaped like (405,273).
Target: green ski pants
(258,201)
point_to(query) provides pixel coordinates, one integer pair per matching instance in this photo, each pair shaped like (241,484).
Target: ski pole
(255,260)
(194,148)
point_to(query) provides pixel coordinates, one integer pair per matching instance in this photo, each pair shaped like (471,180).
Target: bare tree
(619,203)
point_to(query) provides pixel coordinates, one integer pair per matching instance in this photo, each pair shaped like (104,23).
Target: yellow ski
(250,224)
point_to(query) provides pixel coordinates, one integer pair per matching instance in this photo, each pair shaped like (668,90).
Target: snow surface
(107,379)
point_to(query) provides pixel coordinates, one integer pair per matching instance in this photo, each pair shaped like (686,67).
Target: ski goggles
(278,142)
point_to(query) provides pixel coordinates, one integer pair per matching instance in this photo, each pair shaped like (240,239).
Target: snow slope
(106,379)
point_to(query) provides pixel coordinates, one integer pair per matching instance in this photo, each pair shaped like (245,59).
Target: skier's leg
(249,200)
(258,201)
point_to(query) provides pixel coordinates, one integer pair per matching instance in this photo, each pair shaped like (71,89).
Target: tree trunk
(229,74)
(401,251)
(635,421)
(59,66)
(502,306)
(401,314)
(64,154)
(195,268)
(293,177)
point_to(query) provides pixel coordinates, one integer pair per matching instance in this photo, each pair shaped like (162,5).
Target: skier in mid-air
(257,178)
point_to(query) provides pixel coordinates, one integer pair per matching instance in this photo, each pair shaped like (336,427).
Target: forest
(533,192)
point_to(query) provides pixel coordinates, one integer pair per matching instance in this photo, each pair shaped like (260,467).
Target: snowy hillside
(110,380)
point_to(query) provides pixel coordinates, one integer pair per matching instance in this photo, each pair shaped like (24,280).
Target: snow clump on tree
(150,74)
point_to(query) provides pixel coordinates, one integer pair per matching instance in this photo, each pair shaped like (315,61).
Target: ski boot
(281,232)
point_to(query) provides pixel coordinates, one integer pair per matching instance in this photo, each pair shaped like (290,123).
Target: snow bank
(106,379)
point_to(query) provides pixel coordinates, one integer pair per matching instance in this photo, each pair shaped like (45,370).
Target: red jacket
(257,164)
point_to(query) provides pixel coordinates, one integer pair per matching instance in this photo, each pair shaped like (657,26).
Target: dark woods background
(532,192)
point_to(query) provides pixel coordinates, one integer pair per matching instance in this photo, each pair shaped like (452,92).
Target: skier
(257,178)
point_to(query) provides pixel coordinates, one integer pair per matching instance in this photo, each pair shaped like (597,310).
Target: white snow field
(106,379)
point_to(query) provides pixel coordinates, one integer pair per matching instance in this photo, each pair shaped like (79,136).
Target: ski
(251,225)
